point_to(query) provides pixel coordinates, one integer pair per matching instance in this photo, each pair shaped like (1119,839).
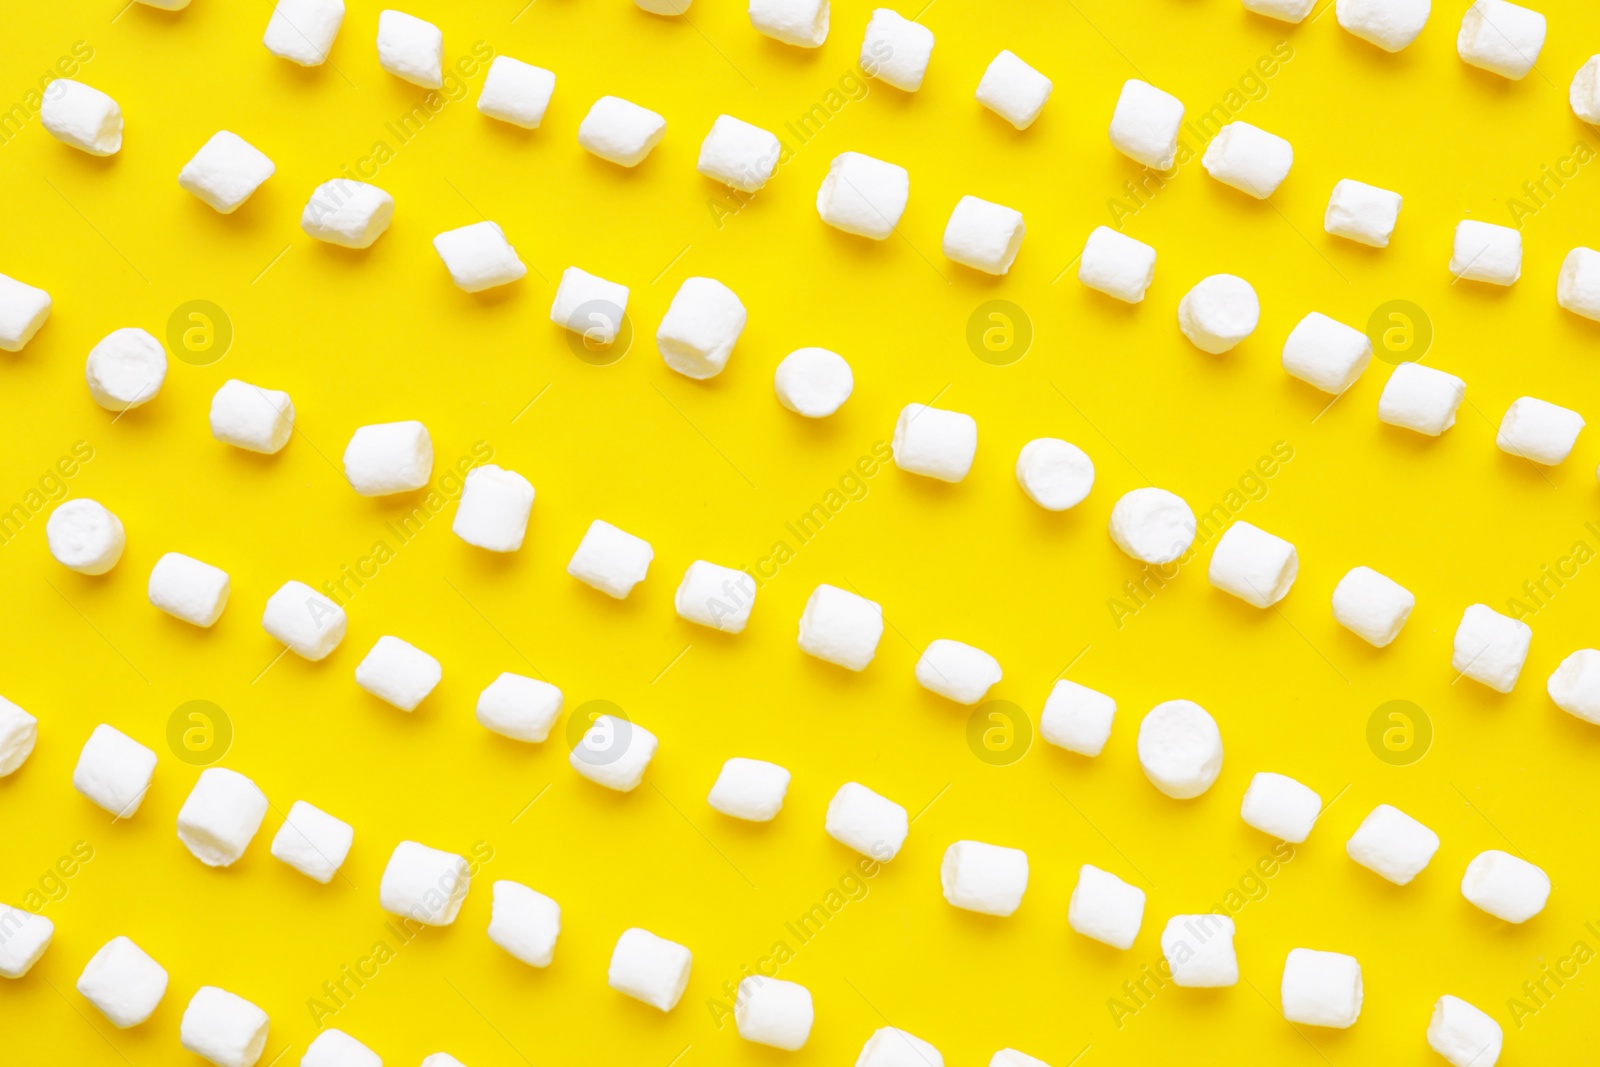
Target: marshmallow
(1077,718)
(739,155)
(1248,158)
(983,236)
(841,627)
(19,731)
(700,328)
(1321,988)
(1257,567)
(84,118)
(620,131)
(126,369)
(84,536)
(1577,287)
(347,213)
(611,560)
(223,1029)
(1490,647)
(516,92)
(1283,10)
(1199,950)
(1389,24)
(1506,887)
(478,256)
(302,31)
(888,1047)
(520,708)
(873,825)
(114,771)
(335,1048)
(934,442)
(187,589)
(1010,1057)
(525,923)
(165,5)
(307,622)
(225,171)
(221,816)
(718,597)
(494,508)
(813,382)
(23,310)
(1584,95)
(749,789)
(444,1059)
(1180,748)
(1105,908)
(1278,805)
(1144,126)
(1055,475)
(1218,313)
(1392,844)
(589,305)
(123,982)
(1013,90)
(313,842)
(252,418)
(1421,398)
(614,753)
(1539,430)
(1501,38)
(802,23)
(649,968)
(1361,212)
(896,50)
(1575,685)
(772,1012)
(23,938)
(427,885)
(1326,353)
(1463,1035)
(1372,606)
(664,7)
(984,878)
(1117,265)
(389,457)
(398,673)
(1152,525)
(862,195)
(1484,252)
(411,49)
(957,671)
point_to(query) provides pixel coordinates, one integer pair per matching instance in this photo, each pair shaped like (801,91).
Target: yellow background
(715,469)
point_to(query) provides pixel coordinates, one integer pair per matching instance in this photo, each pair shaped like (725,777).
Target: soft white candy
(957,671)
(520,708)
(1255,566)
(649,968)
(1013,90)
(1463,1035)
(302,31)
(1105,908)
(1010,1057)
(1372,606)
(114,771)
(494,509)
(664,7)
(1152,525)
(19,732)
(987,879)
(802,23)
(1577,287)
(313,842)
(614,753)
(1117,265)
(425,884)
(444,1059)
(347,213)
(389,457)
(1392,844)
(714,596)
(85,536)
(525,923)
(23,938)
(738,154)
(1490,647)
(772,1012)
(1502,38)
(864,196)
(1421,398)
(1144,126)
(873,825)
(187,589)
(1077,718)
(1180,748)
(1361,212)
(1326,353)
(590,305)
(1575,685)
(478,256)
(123,982)
(223,1028)
(983,235)
(335,1048)
(1278,805)
(934,442)
(126,369)
(1389,24)
(1484,252)
(611,560)
(1285,10)
(1505,886)
(813,382)
(896,50)
(1321,988)
(749,789)
(841,627)
(621,131)
(84,118)
(516,92)
(398,672)
(1539,430)
(1056,475)
(221,816)
(307,622)
(1219,312)
(888,1047)
(252,418)
(1199,950)
(23,310)
(700,328)
(1249,158)
(225,171)
(411,49)
(1584,95)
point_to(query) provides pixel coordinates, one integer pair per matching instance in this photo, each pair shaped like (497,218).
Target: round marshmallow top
(1055,475)
(813,382)
(1219,313)
(1152,525)
(1575,685)
(85,536)
(1180,748)
(125,369)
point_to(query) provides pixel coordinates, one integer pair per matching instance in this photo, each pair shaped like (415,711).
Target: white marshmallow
(398,673)
(520,708)
(802,23)
(1372,606)
(611,560)
(987,879)
(126,369)
(302,31)
(1577,287)
(813,382)
(84,118)
(1584,95)
(1152,525)
(1010,1057)
(1117,265)
(444,1059)
(1575,685)
(1539,430)
(1278,805)
(307,622)
(123,982)
(1248,158)
(888,1047)
(187,589)
(614,753)
(252,418)
(313,842)
(739,155)
(389,457)
(479,257)
(19,732)
(1144,126)
(664,7)
(1013,90)
(427,885)
(1180,748)
(718,597)
(225,171)
(1219,312)
(516,92)
(841,627)
(223,1028)
(620,131)
(335,1048)
(1321,988)
(983,235)
(649,968)
(1255,566)
(934,442)
(165,5)
(1056,475)
(85,536)
(1484,252)
(1392,844)
(1505,886)
(1199,950)
(494,509)
(863,195)
(1106,908)
(957,671)
(700,328)
(114,771)
(23,938)
(411,49)
(1421,398)
(1389,24)
(1361,212)
(772,1012)
(749,789)
(1490,647)
(590,305)
(1502,38)
(1326,353)
(1283,10)
(23,309)
(896,50)
(1463,1035)
(220,817)
(873,825)
(525,923)
(1077,718)
(347,213)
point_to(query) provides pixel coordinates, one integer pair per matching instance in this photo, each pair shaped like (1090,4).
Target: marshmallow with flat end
(611,560)
(1199,950)
(1505,886)
(252,418)
(223,1028)
(84,118)
(1106,908)
(23,309)
(1249,158)
(739,155)
(398,672)
(479,257)
(873,825)
(983,235)
(307,622)
(588,304)
(520,708)
(896,50)
(1490,647)
(1077,718)
(19,731)
(1361,212)
(1485,252)
(1056,475)
(1278,805)
(1372,606)
(302,31)
(1421,398)
(125,369)
(335,1048)
(1255,566)
(988,879)
(85,536)
(1577,287)
(221,816)
(123,982)
(1013,90)
(841,627)
(1584,95)
(1144,126)
(1463,1035)
(225,171)
(700,328)
(524,922)
(1117,265)
(649,968)
(889,1047)
(802,23)
(516,92)
(772,1012)
(444,1059)
(1219,312)
(23,938)
(813,382)
(934,442)
(411,49)
(1500,37)
(389,457)
(347,213)
(749,789)
(1539,430)
(187,589)
(1010,1057)
(114,771)
(957,671)
(1321,988)
(620,131)
(494,509)
(664,7)
(1152,525)
(1389,24)
(1392,844)
(425,884)
(714,596)
(863,195)
(1283,10)
(1180,748)
(1326,353)
(1575,685)
(614,753)
(313,842)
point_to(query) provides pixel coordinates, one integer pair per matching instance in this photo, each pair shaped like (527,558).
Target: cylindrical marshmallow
(1539,430)
(1486,252)
(1362,213)
(737,154)
(1389,24)
(1117,265)
(516,92)
(1321,988)
(957,671)
(611,560)
(621,131)
(1077,718)
(1278,805)
(1145,124)
(84,536)
(1219,312)
(1421,398)
(220,817)
(520,708)
(525,923)
(1056,475)
(389,457)
(934,442)
(411,49)
(114,771)
(813,382)
(347,213)
(126,369)
(250,417)
(223,1028)
(1255,566)
(1490,647)
(313,842)
(494,509)
(187,589)
(649,968)
(1105,908)
(1152,525)
(889,1047)
(1199,949)
(1248,158)
(302,31)
(749,789)
(1575,685)
(425,884)
(715,596)
(1372,606)
(1501,37)
(614,752)
(479,257)
(398,673)
(988,879)
(27,936)
(1180,748)
(1505,886)
(1392,844)
(305,620)
(19,732)
(23,309)
(983,235)
(896,50)
(335,1048)
(700,328)
(772,1012)
(802,23)
(1584,94)
(864,196)
(124,982)
(841,627)
(1578,285)
(1284,10)
(873,825)
(1013,90)
(1326,353)
(84,118)
(1463,1035)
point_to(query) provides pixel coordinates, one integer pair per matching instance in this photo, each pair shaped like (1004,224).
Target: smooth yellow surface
(716,470)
